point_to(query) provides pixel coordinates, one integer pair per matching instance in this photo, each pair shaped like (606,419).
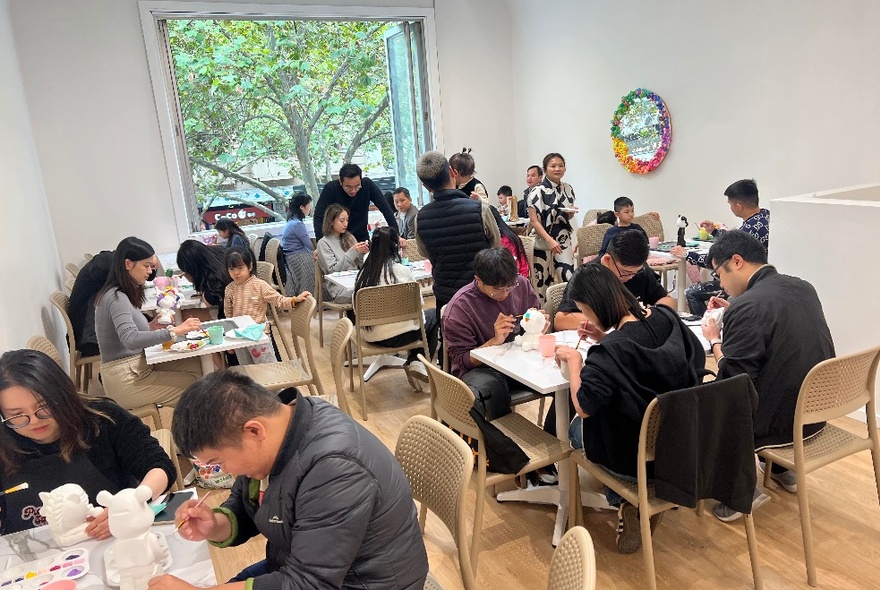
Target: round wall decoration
(641,131)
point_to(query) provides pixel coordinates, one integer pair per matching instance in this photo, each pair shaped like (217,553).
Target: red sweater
(522,262)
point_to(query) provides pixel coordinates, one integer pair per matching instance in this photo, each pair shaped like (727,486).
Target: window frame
(168,110)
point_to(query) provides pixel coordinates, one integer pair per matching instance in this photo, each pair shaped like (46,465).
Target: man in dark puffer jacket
(331,499)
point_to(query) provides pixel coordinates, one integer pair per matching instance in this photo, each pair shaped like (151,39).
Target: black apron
(44,474)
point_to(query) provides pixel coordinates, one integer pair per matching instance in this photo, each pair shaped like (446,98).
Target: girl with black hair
(511,241)
(234,235)
(205,267)
(297,246)
(383,267)
(123,334)
(463,168)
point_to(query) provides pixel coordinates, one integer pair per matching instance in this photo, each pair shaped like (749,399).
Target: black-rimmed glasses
(717,268)
(22,420)
(624,274)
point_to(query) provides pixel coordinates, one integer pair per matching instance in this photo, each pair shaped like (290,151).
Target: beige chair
(322,305)
(69,283)
(554,298)
(592,214)
(589,239)
(411,253)
(373,307)
(44,345)
(163,436)
(273,248)
(641,494)
(339,346)
(832,389)
(528,243)
(88,256)
(265,272)
(652,226)
(451,401)
(439,465)
(72,269)
(81,368)
(297,371)
(573,565)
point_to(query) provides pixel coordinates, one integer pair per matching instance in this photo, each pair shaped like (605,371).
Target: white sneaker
(726,514)
(787,479)
(415,372)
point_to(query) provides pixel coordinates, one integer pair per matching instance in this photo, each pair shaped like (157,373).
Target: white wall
(89,93)
(30,263)
(784,92)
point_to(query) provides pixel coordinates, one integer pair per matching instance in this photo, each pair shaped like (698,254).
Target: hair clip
(466,150)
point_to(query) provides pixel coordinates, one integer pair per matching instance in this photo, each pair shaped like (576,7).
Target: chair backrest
(88,256)
(528,243)
(837,387)
(62,304)
(412,251)
(554,298)
(387,304)
(592,214)
(272,249)
(301,329)
(649,430)
(72,269)
(573,565)
(338,347)
(265,270)
(439,465)
(652,226)
(590,239)
(69,283)
(319,286)
(44,345)
(452,400)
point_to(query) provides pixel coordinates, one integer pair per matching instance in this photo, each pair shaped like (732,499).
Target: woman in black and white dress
(551,207)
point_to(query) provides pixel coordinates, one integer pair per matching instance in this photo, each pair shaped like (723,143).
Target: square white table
(189,561)
(542,375)
(155,355)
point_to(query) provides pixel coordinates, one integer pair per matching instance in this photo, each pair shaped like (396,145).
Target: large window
(261,108)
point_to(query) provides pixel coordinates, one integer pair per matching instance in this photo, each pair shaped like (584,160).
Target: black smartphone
(691,318)
(173,501)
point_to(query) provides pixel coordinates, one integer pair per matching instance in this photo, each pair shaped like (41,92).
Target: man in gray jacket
(331,499)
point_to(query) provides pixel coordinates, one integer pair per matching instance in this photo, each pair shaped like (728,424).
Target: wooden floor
(690,552)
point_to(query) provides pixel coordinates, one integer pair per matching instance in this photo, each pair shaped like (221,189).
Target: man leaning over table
(625,258)
(774,330)
(355,192)
(331,499)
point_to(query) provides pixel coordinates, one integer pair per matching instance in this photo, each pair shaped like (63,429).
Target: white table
(189,561)
(542,375)
(155,355)
(681,280)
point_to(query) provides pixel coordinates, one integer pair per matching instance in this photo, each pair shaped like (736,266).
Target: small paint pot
(60,585)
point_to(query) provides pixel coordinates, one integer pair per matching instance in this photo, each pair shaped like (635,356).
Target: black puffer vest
(451,228)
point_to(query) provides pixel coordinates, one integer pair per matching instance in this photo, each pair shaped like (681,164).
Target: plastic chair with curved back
(44,345)
(528,243)
(411,253)
(589,239)
(573,565)
(592,214)
(72,269)
(69,283)
(273,247)
(439,465)
(451,402)
(322,305)
(555,293)
(80,367)
(339,346)
(832,389)
(654,228)
(296,371)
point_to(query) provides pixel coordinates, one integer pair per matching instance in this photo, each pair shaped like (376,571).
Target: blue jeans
(576,438)
(261,568)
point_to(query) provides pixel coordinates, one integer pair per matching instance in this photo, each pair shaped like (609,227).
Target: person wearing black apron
(50,436)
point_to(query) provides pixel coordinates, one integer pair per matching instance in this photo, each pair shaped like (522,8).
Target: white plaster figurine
(65,509)
(136,551)
(532,323)
(167,302)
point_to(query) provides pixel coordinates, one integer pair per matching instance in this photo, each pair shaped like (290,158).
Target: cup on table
(704,235)
(654,241)
(428,266)
(215,334)
(547,344)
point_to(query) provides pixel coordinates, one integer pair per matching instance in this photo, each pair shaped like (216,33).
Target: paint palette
(112,573)
(67,565)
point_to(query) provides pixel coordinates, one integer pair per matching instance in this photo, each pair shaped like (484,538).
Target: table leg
(681,281)
(207,363)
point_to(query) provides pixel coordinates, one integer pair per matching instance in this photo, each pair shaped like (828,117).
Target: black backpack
(282,258)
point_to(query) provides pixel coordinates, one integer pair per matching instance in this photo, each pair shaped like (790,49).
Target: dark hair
(509,233)
(331,214)
(39,374)
(384,252)
(496,267)
(606,217)
(550,156)
(463,162)
(296,201)
(739,242)
(599,289)
(350,171)
(133,249)
(226,224)
(433,170)
(505,190)
(236,257)
(207,267)
(538,168)
(629,248)
(621,202)
(745,191)
(404,190)
(212,412)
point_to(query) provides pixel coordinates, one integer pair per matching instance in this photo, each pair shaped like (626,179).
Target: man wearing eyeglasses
(775,332)
(626,256)
(354,192)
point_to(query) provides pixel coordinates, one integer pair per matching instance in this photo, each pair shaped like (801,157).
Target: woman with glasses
(51,435)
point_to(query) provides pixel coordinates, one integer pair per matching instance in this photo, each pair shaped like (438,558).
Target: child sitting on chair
(249,295)
(625,212)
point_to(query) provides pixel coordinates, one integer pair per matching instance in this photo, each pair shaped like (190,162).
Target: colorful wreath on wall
(641,131)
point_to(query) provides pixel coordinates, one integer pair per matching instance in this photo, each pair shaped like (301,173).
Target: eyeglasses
(22,420)
(624,274)
(717,268)
(502,289)
(350,188)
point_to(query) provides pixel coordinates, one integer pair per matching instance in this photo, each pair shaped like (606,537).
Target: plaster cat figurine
(65,509)
(532,323)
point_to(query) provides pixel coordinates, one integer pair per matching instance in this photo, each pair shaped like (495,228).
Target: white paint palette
(70,564)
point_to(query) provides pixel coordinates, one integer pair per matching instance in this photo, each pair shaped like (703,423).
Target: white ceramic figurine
(532,323)
(65,509)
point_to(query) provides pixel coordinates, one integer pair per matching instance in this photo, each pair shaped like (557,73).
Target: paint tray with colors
(69,564)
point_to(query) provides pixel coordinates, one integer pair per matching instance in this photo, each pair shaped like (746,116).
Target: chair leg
(423,515)
(478,524)
(320,326)
(875,457)
(767,467)
(753,551)
(806,528)
(700,508)
(363,392)
(541,411)
(351,367)
(647,547)
(575,510)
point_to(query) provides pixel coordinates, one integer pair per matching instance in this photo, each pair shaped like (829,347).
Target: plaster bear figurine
(716,314)
(65,509)
(167,302)
(532,323)
(136,551)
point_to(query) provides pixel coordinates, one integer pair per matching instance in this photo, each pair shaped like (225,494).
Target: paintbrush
(18,488)
(199,503)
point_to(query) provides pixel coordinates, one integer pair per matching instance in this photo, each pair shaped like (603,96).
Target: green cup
(215,334)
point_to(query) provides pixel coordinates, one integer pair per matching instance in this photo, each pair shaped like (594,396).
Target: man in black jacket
(775,332)
(354,192)
(331,499)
